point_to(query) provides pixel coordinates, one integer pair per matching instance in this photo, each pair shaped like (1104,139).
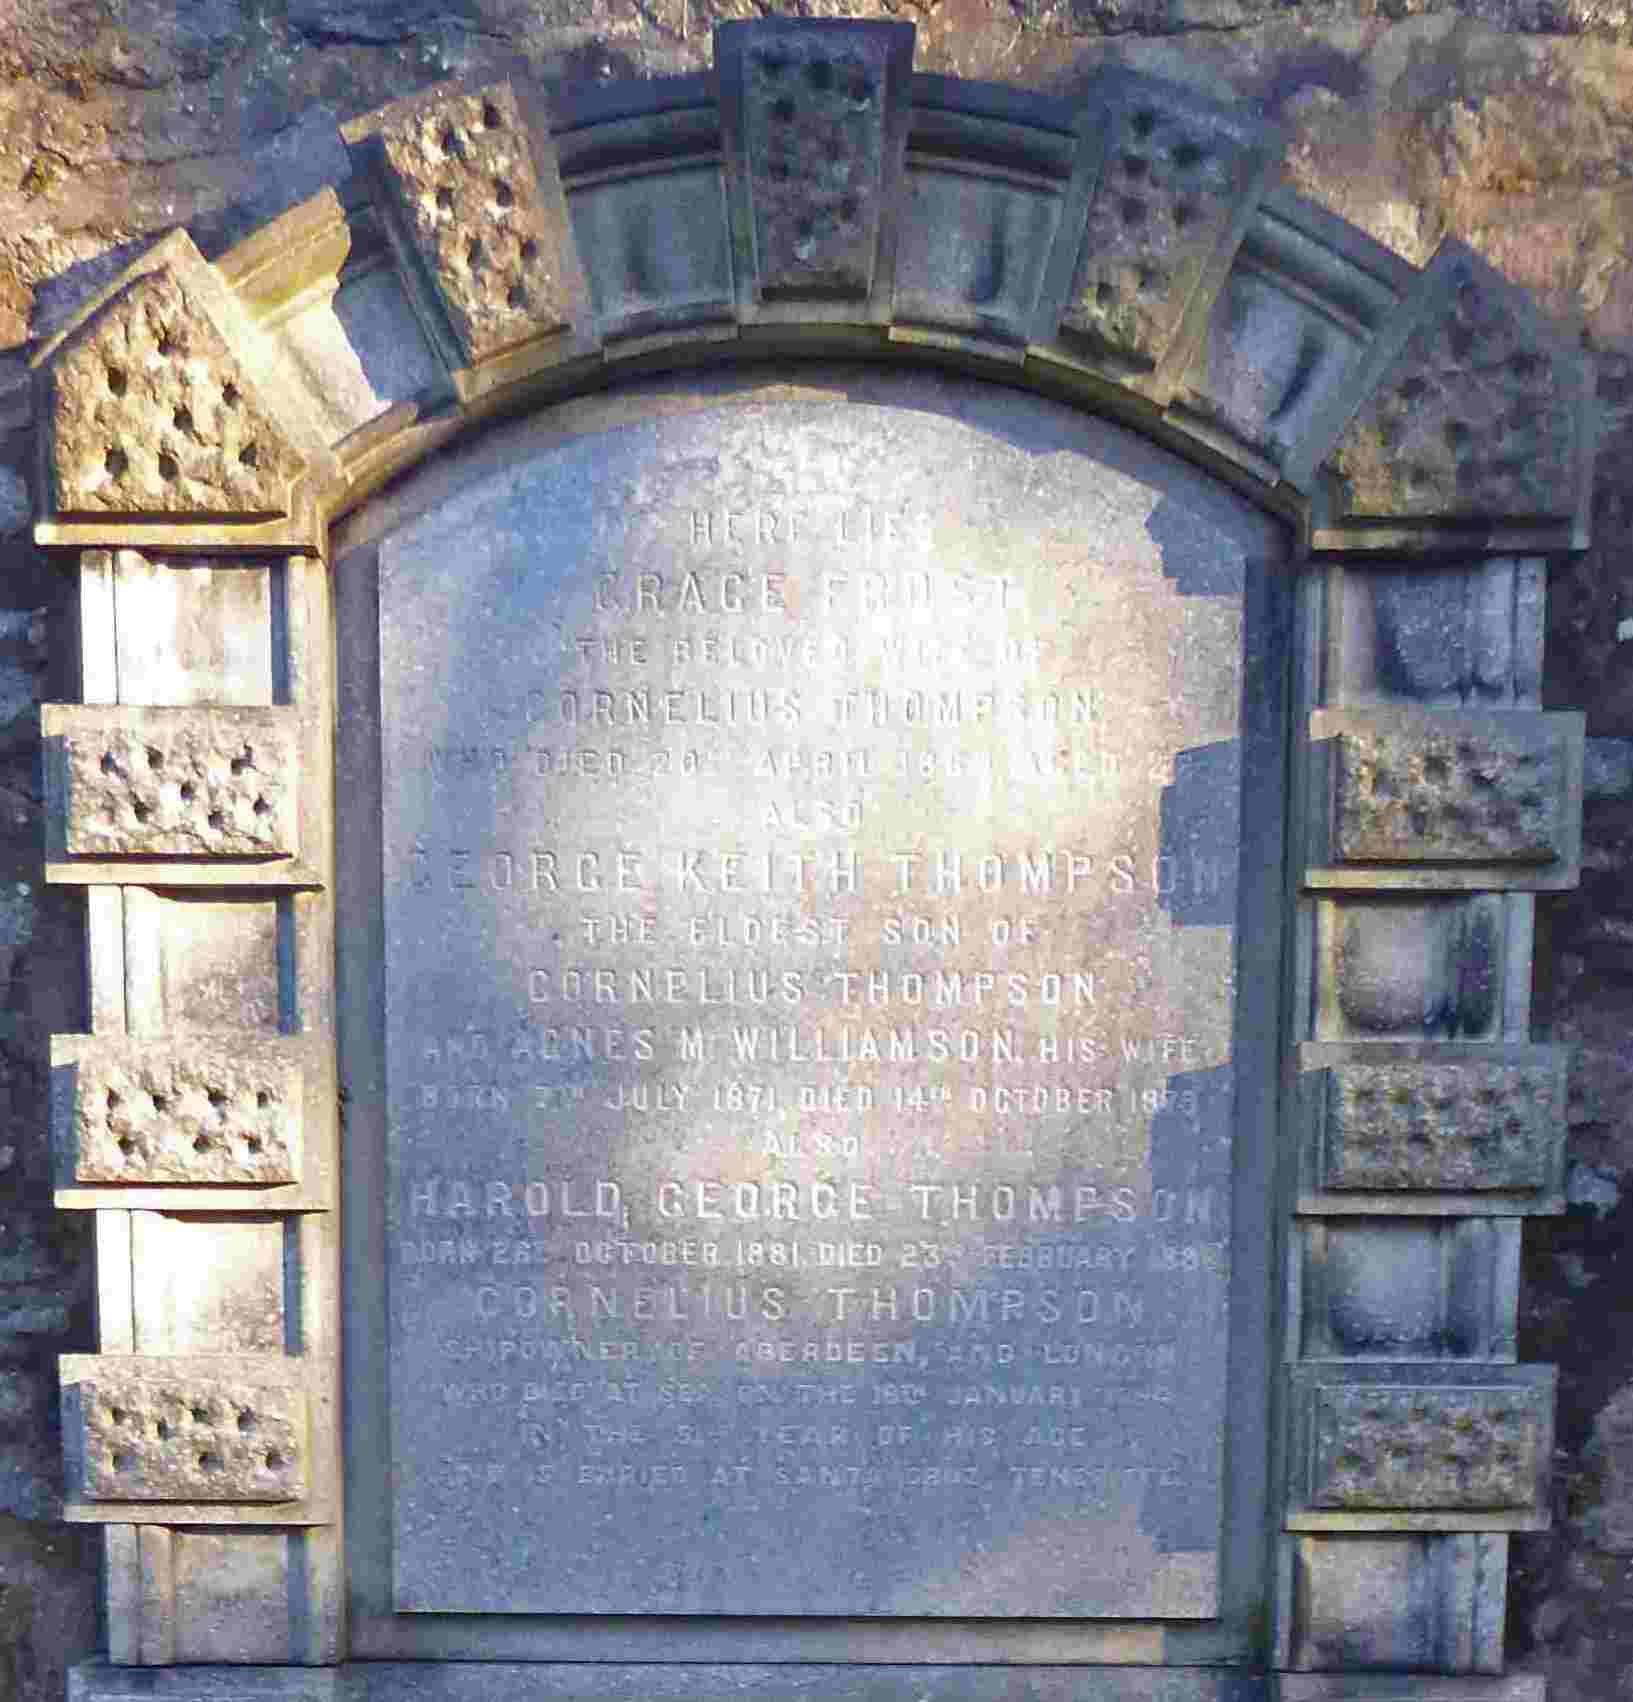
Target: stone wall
(1508,123)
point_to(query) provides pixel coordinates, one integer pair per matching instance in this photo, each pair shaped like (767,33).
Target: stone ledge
(556,1681)
(1406,1687)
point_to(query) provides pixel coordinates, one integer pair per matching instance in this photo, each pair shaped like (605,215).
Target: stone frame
(202,426)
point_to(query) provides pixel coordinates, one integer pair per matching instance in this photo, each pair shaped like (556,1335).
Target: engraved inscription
(810,901)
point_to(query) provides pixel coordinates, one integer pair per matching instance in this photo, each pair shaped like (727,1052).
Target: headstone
(811,855)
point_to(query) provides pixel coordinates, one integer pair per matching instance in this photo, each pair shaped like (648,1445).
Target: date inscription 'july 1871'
(810,869)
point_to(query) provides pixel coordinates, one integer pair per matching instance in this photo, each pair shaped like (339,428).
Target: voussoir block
(492,233)
(814,119)
(153,413)
(196,782)
(1414,1448)
(145,1429)
(1482,413)
(1178,178)
(203,1112)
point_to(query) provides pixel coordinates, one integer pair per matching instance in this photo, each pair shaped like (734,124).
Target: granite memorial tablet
(812,835)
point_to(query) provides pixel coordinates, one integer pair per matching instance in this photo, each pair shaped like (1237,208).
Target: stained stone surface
(814,121)
(811,839)
(151,414)
(178,782)
(1427,1448)
(1475,417)
(1499,122)
(144,1435)
(1169,184)
(1422,793)
(1468,1125)
(206,1113)
(464,175)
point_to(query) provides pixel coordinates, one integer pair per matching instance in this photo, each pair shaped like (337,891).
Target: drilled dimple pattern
(1167,190)
(1460,1127)
(204,1115)
(1421,1449)
(151,415)
(463,171)
(148,1437)
(184,782)
(1452,796)
(814,122)
(1473,419)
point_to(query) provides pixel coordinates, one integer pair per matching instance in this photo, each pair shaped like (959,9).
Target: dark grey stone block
(814,110)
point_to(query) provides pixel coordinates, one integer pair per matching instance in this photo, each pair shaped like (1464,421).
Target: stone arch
(1133,254)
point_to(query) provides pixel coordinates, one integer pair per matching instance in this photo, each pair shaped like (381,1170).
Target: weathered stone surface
(462,168)
(203,1113)
(1478,416)
(761,1047)
(177,782)
(1426,1448)
(1170,183)
(1410,970)
(1327,68)
(1455,1127)
(1427,792)
(1349,1592)
(143,1434)
(151,413)
(814,109)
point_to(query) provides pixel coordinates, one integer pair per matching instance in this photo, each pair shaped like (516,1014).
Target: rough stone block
(1175,176)
(1380,1448)
(495,239)
(814,124)
(152,413)
(176,782)
(138,1430)
(1467,1126)
(1403,1446)
(1480,414)
(199,1113)
(1458,789)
